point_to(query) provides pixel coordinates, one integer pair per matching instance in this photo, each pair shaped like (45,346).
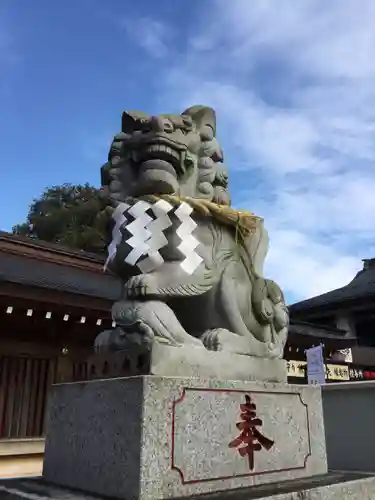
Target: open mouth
(170,159)
(159,151)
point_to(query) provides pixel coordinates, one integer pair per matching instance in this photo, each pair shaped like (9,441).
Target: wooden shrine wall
(24,387)
(25,384)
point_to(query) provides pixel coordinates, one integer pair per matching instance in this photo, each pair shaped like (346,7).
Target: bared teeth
(159,148)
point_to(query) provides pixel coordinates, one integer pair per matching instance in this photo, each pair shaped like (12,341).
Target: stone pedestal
(167,361)
(152,437)
(332,486)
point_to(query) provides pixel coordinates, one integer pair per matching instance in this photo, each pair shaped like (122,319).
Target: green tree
(71,215)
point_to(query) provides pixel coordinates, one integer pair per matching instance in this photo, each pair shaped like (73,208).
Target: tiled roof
(320,332)
(363,285)
(45,245)
(28,271)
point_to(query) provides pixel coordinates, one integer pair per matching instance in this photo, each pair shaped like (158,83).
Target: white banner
(315,366)
(347,353)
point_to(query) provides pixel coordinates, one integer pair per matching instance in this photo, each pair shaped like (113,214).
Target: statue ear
(131,121)
(202,115)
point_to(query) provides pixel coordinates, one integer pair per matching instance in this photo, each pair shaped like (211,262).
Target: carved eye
(168,126)
(145,125)
(187,123)
(207,133)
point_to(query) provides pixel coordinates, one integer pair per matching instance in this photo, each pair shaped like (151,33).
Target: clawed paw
(108,339)
(211,340)
(221,339)
(140,286)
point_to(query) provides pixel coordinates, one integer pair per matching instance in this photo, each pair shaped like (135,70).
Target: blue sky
(292,83)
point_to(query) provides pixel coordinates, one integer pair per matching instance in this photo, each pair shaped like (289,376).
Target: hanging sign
(339,373)
(315,366)
(296,368)
(332,372)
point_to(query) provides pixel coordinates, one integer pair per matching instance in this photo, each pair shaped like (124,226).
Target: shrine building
(343,320)
(54,301)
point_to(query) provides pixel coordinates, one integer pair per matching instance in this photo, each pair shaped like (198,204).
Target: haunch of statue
(191,266)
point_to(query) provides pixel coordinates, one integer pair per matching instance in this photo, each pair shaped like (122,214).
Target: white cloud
(293,84)
(307,267)
(328,39)
(149,34)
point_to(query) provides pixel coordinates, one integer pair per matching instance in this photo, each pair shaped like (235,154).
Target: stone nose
(157,124)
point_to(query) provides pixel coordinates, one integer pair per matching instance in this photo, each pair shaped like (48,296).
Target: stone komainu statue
(190,265)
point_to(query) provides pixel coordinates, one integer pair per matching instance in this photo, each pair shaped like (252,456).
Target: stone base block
(190,362)
(332,486)
(152,438)
(169,361)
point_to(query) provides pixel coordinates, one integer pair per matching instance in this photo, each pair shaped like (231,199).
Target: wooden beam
(17,447)
(38,320)
(52,334)
(42,251)
(331,310)
(33,348)
(33,293)
(17,466)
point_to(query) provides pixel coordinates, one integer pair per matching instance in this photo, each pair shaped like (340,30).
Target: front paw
(141,285)
(221,339)
(108,340)
(213,339)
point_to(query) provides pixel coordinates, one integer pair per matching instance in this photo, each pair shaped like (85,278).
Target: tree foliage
(71,215)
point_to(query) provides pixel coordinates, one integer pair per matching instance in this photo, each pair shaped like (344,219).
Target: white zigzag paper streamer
(148,235)
(157,239)
(120,221)
(139,231)
(188,242)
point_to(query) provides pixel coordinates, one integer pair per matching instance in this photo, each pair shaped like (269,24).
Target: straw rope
(243,221)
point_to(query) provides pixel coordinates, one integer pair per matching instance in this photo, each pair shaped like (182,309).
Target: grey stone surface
(94,435)
(151,437)
(332,486)
(349,410)
(165,360)
(192,362)
(360,489)
(173,166)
